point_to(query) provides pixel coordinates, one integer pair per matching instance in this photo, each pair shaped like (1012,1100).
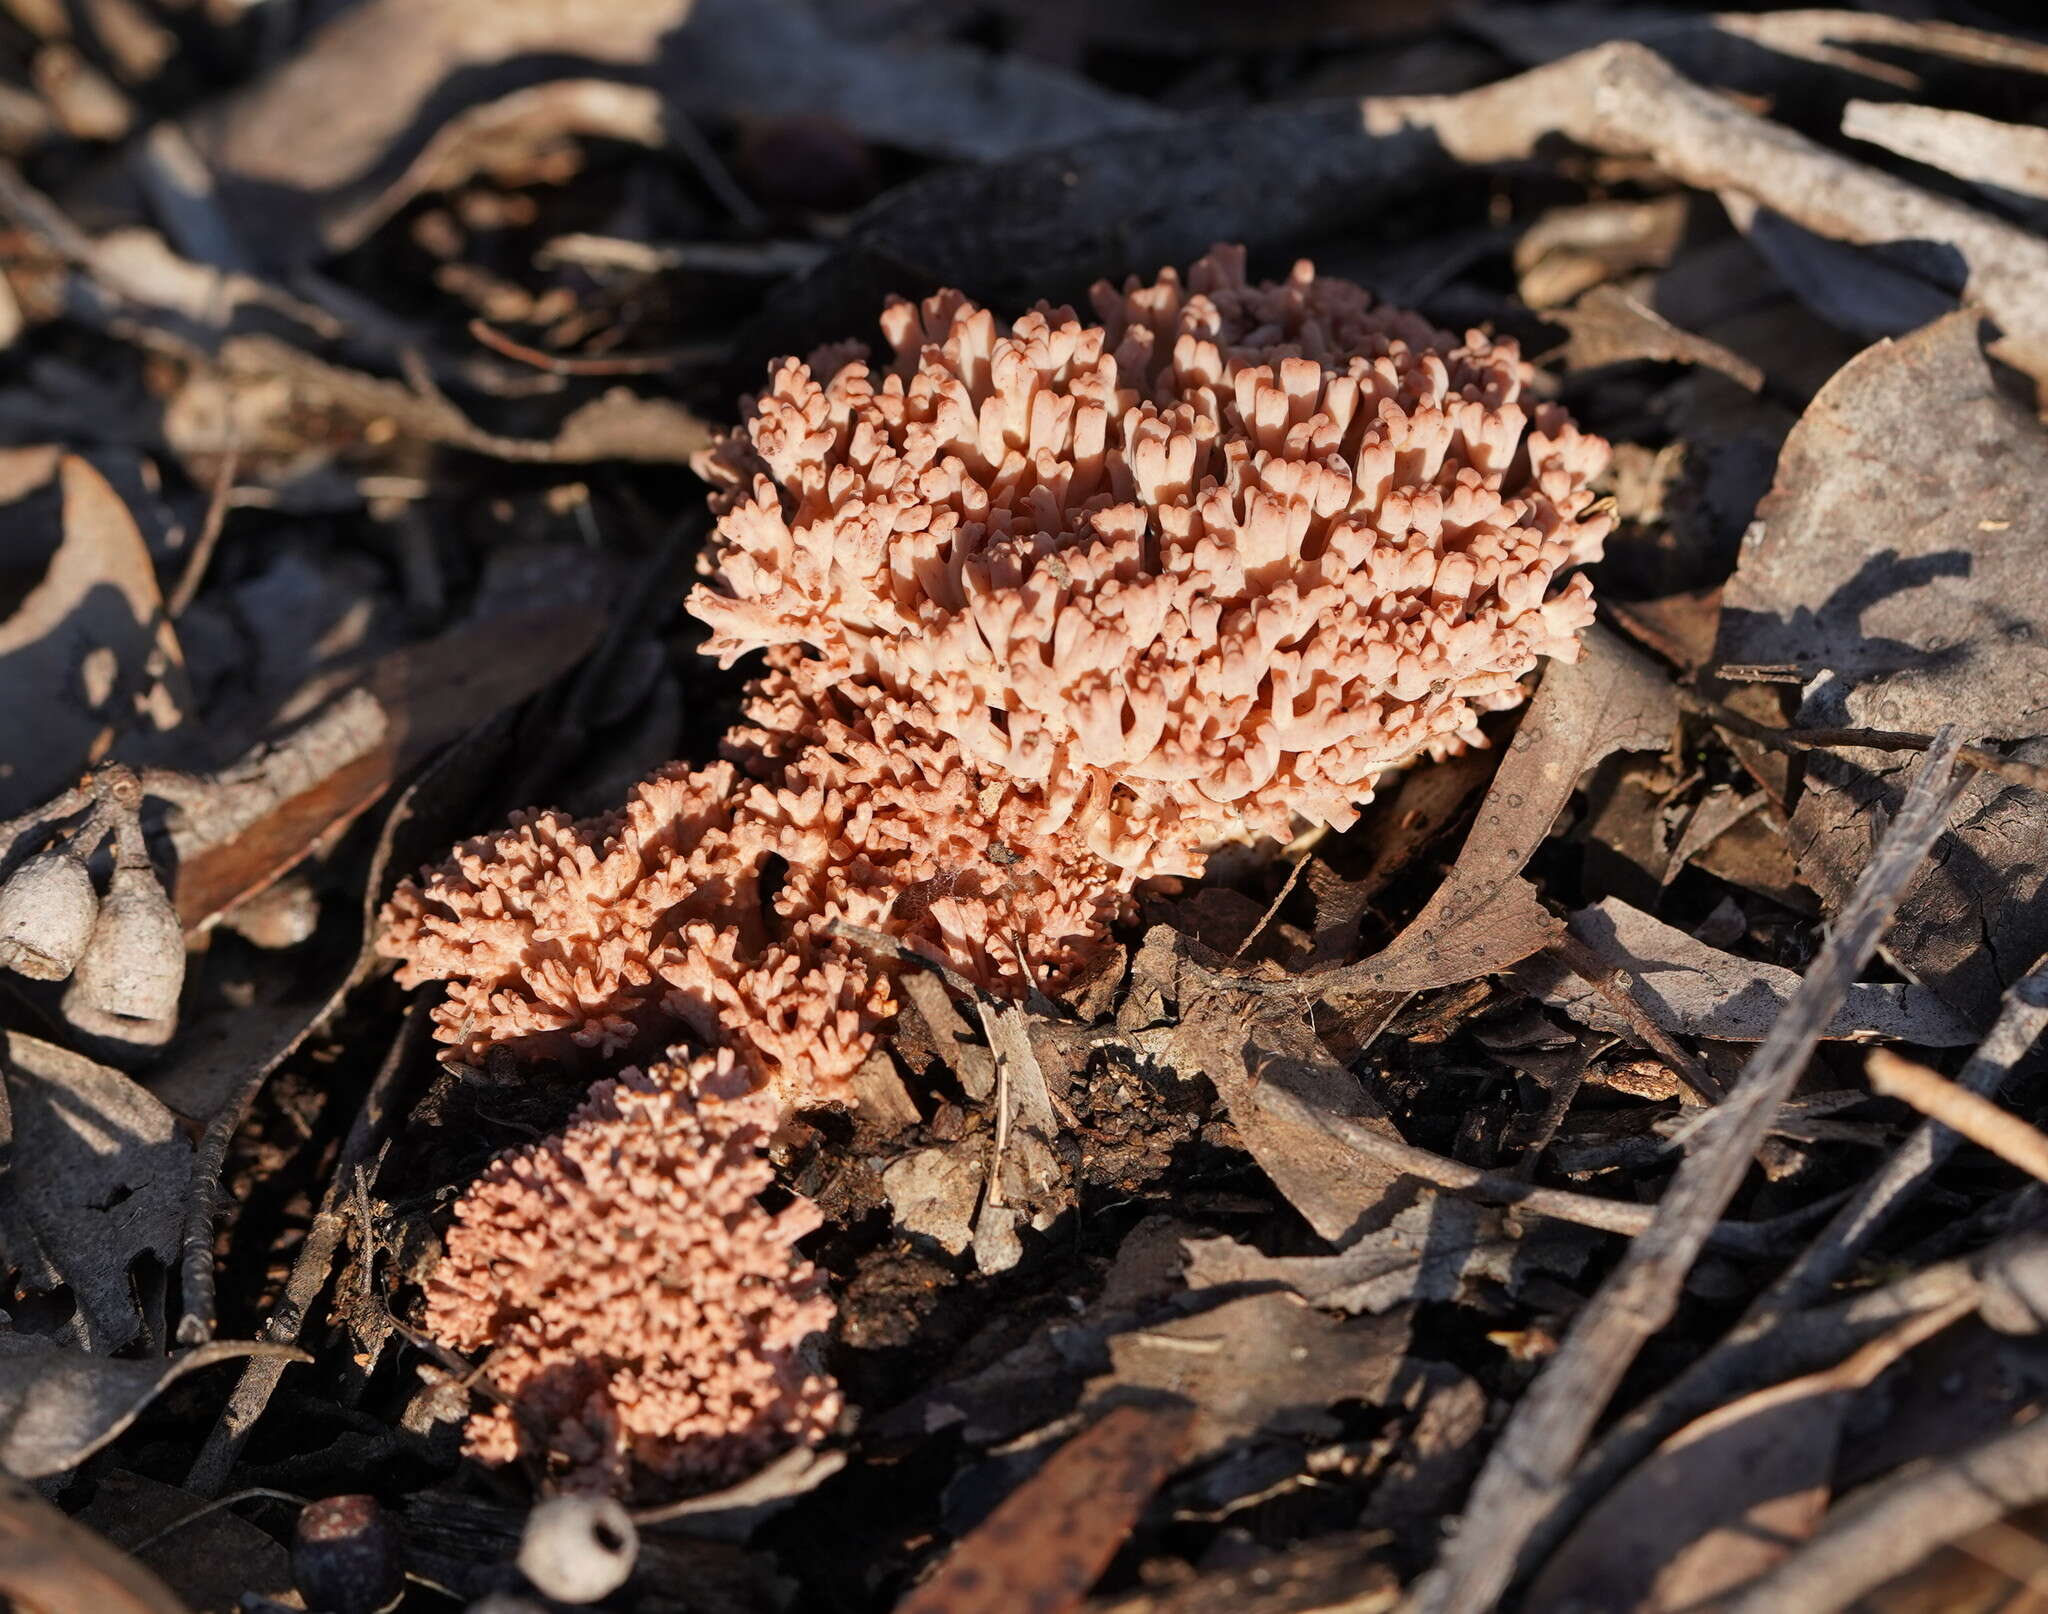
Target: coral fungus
(1047,612)
(1227,556)
(645,1315)
(709,901)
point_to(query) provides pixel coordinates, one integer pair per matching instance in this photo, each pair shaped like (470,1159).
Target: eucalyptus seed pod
(47,909)
(128,982)
(347,1556)
(577,1549)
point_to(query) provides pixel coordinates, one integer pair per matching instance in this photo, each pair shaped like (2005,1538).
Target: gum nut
(47,909)
(134,967)
(577,1549)
(347,1557)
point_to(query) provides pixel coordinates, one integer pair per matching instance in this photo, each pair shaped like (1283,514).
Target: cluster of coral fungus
(1047,612)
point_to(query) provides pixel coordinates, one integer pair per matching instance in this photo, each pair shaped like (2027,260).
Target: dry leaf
(1608,326)
(1049,1540)
(1268,1364)
(1722,1500)
(1485,916)
(58,1406)
(84,640)
(96,1173)
(1912,595)
(209,1561)
(1427,1252)
(49,1564)
(1694,990)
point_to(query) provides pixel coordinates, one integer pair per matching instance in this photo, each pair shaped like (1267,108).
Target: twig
(209,531)
(1732,1366)
(1286,890)
(1585,1210)
(618,364)
(1525,1472)
(310,1269)
(1793,741)
(1977,1119)
(1888,1528)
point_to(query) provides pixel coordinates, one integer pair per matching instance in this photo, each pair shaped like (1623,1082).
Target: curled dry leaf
(59,1405)
(1910,597)
(96,1179)
(1485,916)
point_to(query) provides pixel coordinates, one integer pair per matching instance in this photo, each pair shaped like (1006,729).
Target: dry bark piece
(1622,99)
(1048,1541)
(2007,157)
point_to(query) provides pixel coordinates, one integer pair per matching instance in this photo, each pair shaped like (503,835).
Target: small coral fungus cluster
(1047,612)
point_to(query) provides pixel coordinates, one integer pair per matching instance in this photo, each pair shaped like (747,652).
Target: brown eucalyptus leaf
(51,1564)
(209,1561)
(85,638)
(1910,592)
(96,1174)
(1693,990)
(1265,1364)
(1722,1500)
(1049,1540)
(1485,916)
(59,1405)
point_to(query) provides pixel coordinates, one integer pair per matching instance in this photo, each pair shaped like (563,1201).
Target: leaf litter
(1285,1261)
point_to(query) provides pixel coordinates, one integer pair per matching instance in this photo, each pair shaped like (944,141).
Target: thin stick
(1526,1471)
(1794,741)
(618,364)
(209,532)
(1977,1119)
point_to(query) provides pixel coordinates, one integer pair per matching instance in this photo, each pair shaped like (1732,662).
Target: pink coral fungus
(645,1315)
(1207,568)
(709,901)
